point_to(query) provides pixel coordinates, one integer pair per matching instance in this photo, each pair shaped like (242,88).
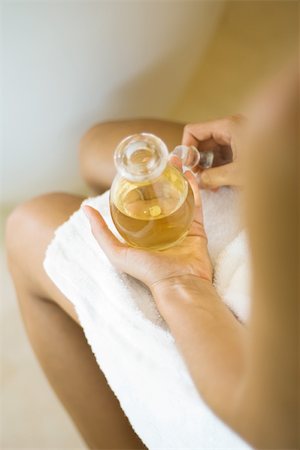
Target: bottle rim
(157,166)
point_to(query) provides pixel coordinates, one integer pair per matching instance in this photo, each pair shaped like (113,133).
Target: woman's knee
(99,142)
(29,230)
(21,227)
(106,135)
(96,155)
(33,222)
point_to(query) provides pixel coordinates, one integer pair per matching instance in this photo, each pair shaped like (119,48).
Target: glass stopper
(191,157)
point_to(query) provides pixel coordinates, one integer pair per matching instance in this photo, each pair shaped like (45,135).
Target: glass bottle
(151,202)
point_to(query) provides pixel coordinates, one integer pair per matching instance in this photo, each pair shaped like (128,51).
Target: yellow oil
(153,215)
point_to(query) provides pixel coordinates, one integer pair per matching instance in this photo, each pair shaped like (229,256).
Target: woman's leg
(49,317)
(56,338)
(98,145)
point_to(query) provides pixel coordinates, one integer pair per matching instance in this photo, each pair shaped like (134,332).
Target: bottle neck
(141,157)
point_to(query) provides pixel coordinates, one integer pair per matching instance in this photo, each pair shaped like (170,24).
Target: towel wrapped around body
(128,337)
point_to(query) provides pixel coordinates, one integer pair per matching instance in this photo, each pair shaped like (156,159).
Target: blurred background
(69,64)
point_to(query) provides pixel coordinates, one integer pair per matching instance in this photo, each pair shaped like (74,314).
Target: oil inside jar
(153,215)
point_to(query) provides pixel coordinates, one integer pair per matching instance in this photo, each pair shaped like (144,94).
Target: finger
(227,175)
(111,246)
(198,214)
(176,162)
(218,130)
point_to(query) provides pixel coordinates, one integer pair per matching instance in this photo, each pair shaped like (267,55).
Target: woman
(247,376)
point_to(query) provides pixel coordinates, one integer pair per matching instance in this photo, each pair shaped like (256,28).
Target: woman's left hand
(189,257)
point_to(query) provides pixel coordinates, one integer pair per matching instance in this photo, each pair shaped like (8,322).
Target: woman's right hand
(221,136)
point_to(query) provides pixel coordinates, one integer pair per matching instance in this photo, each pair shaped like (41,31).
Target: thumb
(111,246)
(226,175)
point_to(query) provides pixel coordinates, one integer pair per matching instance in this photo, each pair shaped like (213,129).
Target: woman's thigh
(30,228)
(59,343)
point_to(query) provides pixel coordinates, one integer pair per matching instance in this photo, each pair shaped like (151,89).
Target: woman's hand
(220,136)
(188,258)
(208,335)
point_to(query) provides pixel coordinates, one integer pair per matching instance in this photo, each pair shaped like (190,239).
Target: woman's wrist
(180,281)
(181,290)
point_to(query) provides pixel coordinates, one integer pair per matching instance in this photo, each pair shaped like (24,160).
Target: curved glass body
(153,214)
(151,203)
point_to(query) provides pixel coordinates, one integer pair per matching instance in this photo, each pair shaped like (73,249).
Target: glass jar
(151,202)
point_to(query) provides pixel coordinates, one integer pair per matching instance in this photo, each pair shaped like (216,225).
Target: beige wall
(70,64)
(252,39)
(67,66)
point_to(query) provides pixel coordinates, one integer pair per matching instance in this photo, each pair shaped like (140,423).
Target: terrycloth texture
(130,341)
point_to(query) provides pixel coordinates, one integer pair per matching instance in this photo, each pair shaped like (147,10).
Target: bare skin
(249,378)
(98,144)
(53,330)
(71,368)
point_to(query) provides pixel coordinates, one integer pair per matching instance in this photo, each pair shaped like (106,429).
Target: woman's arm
(249,378)
(211,340)
(271,391)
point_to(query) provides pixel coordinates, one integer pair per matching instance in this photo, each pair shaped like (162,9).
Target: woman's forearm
(209,338)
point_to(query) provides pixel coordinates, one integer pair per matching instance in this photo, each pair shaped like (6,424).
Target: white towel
(129,339)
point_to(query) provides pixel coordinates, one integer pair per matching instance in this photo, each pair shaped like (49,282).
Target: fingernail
(204,178)
(198,177)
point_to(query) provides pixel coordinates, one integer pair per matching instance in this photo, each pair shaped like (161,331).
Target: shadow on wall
(154,90)
(252,40)
(148,94)
(69,66)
